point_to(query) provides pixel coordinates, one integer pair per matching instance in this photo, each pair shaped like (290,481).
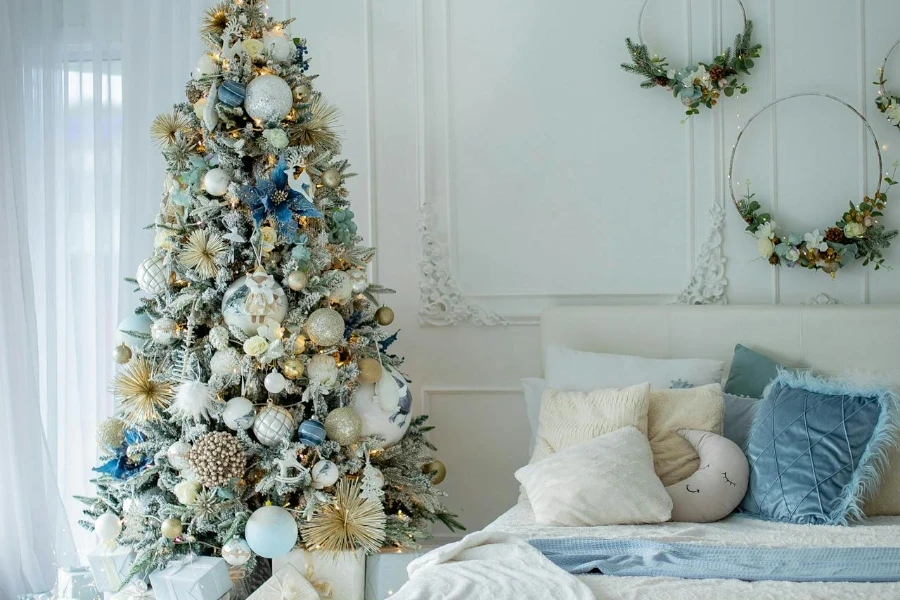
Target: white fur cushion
(608,480)
(670,410)
(569,418)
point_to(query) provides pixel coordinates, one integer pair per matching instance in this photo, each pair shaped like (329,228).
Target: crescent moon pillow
(717,487)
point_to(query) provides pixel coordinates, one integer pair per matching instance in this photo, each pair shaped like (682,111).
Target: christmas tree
(258,404)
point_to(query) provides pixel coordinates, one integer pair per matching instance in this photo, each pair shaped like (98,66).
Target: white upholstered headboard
(826,338)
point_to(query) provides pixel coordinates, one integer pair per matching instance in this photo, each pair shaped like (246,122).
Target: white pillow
(567,369)
(534,388)
(608,480)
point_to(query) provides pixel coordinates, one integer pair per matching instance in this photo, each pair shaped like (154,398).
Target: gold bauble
(299,344)
(297,280)
(331,178)
(384,316)
(301,93)
(436,470)
(171,528)
(292,368)
(343,425)
(369,370)
(122,354)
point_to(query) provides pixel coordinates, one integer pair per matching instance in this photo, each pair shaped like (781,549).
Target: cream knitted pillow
(701,408)
(569,418)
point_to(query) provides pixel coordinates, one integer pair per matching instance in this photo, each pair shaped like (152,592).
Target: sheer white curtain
(82,80)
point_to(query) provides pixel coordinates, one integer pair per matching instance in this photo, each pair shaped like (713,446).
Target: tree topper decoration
(857,235)
(699,84)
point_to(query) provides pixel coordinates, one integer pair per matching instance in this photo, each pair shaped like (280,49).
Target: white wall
(553,178)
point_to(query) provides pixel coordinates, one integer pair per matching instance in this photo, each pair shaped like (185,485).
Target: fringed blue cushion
(817,448)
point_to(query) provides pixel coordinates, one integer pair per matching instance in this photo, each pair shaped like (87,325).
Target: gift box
(334,575)
(136,590)
(76,583)
(287,584)
(110,566)
(192,578)
(40,596)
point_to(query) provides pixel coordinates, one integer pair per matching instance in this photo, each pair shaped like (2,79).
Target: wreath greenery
(698,84)
(857,235)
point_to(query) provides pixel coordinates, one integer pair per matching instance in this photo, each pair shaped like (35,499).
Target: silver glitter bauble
(219,336)
(269,98)
(325,327)
(162,331)
(225,362)
(236,551)
(111,433)
(358,281)
(343,425)
(273,425)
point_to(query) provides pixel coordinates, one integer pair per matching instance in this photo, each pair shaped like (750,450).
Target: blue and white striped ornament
(232,93)
(312,432)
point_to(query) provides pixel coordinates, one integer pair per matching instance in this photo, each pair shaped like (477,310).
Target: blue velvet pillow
(817,448)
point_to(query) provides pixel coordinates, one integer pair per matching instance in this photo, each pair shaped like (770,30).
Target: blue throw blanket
(645,558)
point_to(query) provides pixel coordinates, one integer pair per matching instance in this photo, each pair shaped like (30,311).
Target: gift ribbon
(289,589)
(136,590)
(107,565)
(173,567)
(323,588)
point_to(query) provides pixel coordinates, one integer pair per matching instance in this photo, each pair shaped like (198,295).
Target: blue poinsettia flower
(274,198)
(120,465)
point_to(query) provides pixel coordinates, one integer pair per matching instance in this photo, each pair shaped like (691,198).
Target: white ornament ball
(390,424)
(205,66)
(136,324)
(273,425)
(275,382)
(238,413)
(187,491)
(236,551)
(322,369)
(297,280)
(325,327)
(342,287)
(216,182)
(358,281)
(271,531)
(108,526)
(325,474)
(225,362)
(268,98)
(153,276)
(219,336)
(162,331)
(279,46)
(247,311)
(178,455)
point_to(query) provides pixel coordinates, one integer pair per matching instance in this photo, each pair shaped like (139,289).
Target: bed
(801,336)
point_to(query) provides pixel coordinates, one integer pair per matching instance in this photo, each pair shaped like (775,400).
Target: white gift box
(136,590)
(286,584)
(76,583)
(335,575)
(110,566)
(192,578)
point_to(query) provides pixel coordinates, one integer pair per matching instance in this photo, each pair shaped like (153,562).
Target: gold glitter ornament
(384,316)
(325,327)
(171,528)
(111,433)
(343,425)
(216,458)
(121,354)
(369,370)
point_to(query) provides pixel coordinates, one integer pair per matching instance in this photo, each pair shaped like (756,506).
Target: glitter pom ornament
(111,433)
(343,425)
(218,337)
(225,362)
(269,98)
(216,458)
(273,425)
(325,327)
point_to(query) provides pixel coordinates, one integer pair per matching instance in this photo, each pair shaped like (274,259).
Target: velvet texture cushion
(750,373)
(739,411)
(817,448)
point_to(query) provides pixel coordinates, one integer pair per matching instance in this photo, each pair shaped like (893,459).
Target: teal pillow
(816,448)
(750,373)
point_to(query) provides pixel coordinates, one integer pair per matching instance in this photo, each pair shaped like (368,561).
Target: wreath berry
(699,84)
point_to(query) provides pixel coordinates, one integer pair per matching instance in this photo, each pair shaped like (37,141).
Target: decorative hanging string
(856,235)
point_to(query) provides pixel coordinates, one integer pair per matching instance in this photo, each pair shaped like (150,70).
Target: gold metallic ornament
(171,528)
(384,316)
(343,425)
(350,522)
(297,280)
(436,470)
(122,354)
(369,370)
(299,344)
(292,368)
(141,395)
(301,93)
(325,327)
(331,178)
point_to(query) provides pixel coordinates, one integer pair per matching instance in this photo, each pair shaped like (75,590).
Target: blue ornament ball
(271,532)
(312,432)
(232,93)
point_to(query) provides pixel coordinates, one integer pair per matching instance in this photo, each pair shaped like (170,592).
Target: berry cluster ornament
(216,458)
(273,425)
(325,327)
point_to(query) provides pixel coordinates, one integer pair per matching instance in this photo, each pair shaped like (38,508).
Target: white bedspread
(733,531)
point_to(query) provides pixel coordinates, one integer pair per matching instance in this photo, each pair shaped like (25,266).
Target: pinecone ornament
(217,457)
(662,81)
(835,235)
(716,72)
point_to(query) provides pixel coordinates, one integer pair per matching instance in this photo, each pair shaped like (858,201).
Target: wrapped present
(288,583)
(334,575)
(40,596)
(192,578)
(110,565)
(136,590)
(76,583)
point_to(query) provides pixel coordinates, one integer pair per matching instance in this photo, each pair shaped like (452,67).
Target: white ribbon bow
(136,590)
(291,587)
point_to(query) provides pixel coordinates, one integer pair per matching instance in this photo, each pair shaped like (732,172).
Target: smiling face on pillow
(717,487)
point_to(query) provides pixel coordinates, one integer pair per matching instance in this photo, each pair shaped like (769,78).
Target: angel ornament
(263,296)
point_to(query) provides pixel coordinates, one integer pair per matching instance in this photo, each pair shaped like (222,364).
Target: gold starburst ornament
(140,395)
(202,251)
(350,522)
(165,129)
